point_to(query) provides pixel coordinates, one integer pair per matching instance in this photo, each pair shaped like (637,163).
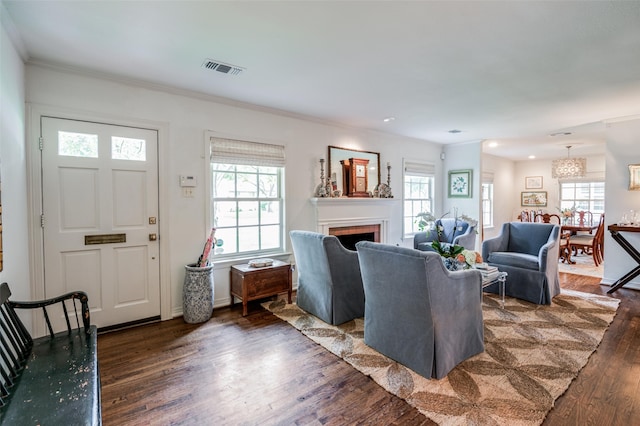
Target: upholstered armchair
(528,252)
(329,281)
(416,311)
(453,231)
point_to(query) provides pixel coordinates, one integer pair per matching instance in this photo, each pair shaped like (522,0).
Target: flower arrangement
(425,220)
(567,214)
(456,257)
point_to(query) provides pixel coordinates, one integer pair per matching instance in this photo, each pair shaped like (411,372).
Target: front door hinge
(42,221)
(41,143)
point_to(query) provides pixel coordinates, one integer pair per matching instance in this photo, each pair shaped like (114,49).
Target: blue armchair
(454,231)
(416,311)
(329,280)
(528,252)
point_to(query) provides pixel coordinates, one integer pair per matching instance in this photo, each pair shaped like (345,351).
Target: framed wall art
(634,177)
(533,199)
(460,182)
(533,182)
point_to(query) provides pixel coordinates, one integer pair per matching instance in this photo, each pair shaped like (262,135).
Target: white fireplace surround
(344,211)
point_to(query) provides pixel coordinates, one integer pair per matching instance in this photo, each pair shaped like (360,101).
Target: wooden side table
(249,283)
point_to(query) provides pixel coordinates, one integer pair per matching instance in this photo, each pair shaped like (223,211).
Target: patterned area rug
(584,266)
(532,353)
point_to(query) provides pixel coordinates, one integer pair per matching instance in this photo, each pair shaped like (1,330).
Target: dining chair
(592,244)
(565,246)
(547,218)
(584,218)
(526,216)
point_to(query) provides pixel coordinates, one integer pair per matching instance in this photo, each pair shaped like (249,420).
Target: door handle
(153,237)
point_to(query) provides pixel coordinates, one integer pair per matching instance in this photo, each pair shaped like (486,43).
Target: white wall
(187,118)
(595,170)
(622,150)
(505,195)
(461,157)
(13,170)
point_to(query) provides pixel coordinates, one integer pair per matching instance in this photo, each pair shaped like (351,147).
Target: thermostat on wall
(188,181)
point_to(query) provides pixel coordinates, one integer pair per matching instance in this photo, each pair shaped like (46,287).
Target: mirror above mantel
(355,173)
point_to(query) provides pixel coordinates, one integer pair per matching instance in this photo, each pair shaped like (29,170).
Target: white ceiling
(513,72)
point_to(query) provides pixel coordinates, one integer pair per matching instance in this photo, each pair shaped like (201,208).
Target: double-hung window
(583,196)
(418,193)
(487,200)
(247,181)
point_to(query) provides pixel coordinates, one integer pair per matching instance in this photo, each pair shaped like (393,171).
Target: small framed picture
(533,199)
(533,182)
(634,177)
(460,183)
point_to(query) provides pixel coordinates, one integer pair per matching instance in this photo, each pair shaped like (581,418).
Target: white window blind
(419,169)
(487,177)
(233,151)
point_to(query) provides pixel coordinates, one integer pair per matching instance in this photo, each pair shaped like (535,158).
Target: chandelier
(569,167)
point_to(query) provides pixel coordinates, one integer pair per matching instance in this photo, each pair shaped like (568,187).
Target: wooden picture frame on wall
(634,177)
(533,199)
(533,182)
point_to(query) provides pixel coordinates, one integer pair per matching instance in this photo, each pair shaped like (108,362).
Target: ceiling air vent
(210,64)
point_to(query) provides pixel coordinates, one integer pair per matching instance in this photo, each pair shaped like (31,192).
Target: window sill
(229,261)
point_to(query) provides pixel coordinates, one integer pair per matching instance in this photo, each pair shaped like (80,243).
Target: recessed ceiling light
(454,131)
(388,119)
(493,144)
(531,157)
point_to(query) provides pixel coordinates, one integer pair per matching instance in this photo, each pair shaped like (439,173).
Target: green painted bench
(50,380)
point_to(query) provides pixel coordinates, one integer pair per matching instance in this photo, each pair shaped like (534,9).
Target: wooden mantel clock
(355,175)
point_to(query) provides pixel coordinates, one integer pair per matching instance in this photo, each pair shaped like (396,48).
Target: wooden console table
(249,283)
(626,245)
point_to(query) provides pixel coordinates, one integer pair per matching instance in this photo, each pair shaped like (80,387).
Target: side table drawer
(267,282)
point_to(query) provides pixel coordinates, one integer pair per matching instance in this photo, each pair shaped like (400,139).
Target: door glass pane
(128,149)
(77,144)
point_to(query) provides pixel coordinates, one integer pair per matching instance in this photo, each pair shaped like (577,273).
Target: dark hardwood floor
(259,370)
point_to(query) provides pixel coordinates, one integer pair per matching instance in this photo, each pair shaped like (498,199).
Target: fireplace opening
(350,235)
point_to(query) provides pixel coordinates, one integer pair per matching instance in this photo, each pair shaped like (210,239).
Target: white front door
(100,217)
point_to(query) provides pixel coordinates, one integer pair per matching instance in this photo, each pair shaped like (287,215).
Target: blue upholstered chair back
(528,237)
(329,280)
(453,231)
(416,311)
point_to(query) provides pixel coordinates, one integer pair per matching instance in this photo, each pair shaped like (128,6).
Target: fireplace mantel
(345,211)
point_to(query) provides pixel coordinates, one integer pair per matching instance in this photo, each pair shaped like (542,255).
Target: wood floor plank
(235,370)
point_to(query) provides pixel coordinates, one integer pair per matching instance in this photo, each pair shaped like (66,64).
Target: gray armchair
(329,281)
(528,252)
(417,312)
(454,231)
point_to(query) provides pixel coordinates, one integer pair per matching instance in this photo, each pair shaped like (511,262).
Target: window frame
(564,203)
(490,201)
(420,169)
(254,162)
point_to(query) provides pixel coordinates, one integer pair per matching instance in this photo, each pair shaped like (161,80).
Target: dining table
(579,228)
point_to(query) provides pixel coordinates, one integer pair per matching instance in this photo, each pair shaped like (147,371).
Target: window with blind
(247,197)
(418,194)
